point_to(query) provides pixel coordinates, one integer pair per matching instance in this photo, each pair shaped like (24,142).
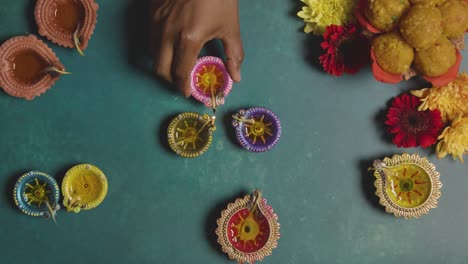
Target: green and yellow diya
(408,185)
(84,187)
(190,134)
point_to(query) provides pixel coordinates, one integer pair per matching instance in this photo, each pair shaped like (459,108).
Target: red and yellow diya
(68,23)
(248,229)
(28,67)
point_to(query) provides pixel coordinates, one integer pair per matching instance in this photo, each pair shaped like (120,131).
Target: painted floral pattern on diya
(407,185)
(257,129)
(248,229)
(28,67)
(68,23)
(190,134)
(210,81)
(84,187)
(37,194)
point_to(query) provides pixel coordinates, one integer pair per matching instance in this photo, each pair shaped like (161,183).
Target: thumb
(234,55)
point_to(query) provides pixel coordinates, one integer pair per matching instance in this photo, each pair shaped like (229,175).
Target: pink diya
(210,81)
(386,77)
(68,23)
(248,229)
(28,67)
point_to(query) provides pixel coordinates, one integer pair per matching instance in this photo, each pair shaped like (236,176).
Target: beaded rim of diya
(37,194)
(210,81)
(44,79)
(76,37)
(184,131)
(248,229)
(408,185)
(258,129)
(70,186)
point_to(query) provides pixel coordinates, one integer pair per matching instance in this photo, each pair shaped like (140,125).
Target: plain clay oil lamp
(68,23)
(28,67)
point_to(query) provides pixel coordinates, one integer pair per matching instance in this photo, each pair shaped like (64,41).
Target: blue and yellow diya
(258,129)
(37,194)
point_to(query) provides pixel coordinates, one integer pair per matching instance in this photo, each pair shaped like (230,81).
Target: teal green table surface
(161,208)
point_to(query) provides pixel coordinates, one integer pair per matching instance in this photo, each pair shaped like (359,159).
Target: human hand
(180,28)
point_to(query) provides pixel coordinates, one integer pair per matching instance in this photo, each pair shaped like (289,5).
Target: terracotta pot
(58,20)
(22,63)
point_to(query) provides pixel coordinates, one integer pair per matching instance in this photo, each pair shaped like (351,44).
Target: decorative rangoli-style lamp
(190,134)
(84,187)
(248,229)
(37,194)
(407,185)
(258,129)
(210,81)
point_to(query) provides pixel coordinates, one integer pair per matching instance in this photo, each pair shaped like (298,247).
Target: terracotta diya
(84,187)
(68,23)
(407,185)
(190,134)
(258,129)
(210,81)
(37,194)
(28,67)
(248,229)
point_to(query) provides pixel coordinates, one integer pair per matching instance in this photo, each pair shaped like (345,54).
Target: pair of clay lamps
(28,67)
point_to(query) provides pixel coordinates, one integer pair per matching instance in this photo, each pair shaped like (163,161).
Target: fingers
(186,54)
(163,54)
(234,55)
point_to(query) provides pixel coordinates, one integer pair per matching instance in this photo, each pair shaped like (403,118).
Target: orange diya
(68,23)
(28,67)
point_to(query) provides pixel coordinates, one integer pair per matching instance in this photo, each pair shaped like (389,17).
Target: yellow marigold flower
(318,14)
(451,100)
(454,139)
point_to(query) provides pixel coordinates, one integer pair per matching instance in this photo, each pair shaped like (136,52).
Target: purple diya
(28,67)
(257,129)
(210,81)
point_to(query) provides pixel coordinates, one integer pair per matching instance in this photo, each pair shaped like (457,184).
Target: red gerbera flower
(412,128)
(347,50)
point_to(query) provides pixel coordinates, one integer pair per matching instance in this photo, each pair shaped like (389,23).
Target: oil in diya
(28,67)
(68,23)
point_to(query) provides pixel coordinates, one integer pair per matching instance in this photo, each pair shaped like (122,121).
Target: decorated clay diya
(407,185)
(28,67)
(37,194)
(68,23)
(190,134)
(257,129)
(210,81)
(84,187)
(248,229)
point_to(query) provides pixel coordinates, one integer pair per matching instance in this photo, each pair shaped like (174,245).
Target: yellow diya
(248,229)
(408,185)
(84,187)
